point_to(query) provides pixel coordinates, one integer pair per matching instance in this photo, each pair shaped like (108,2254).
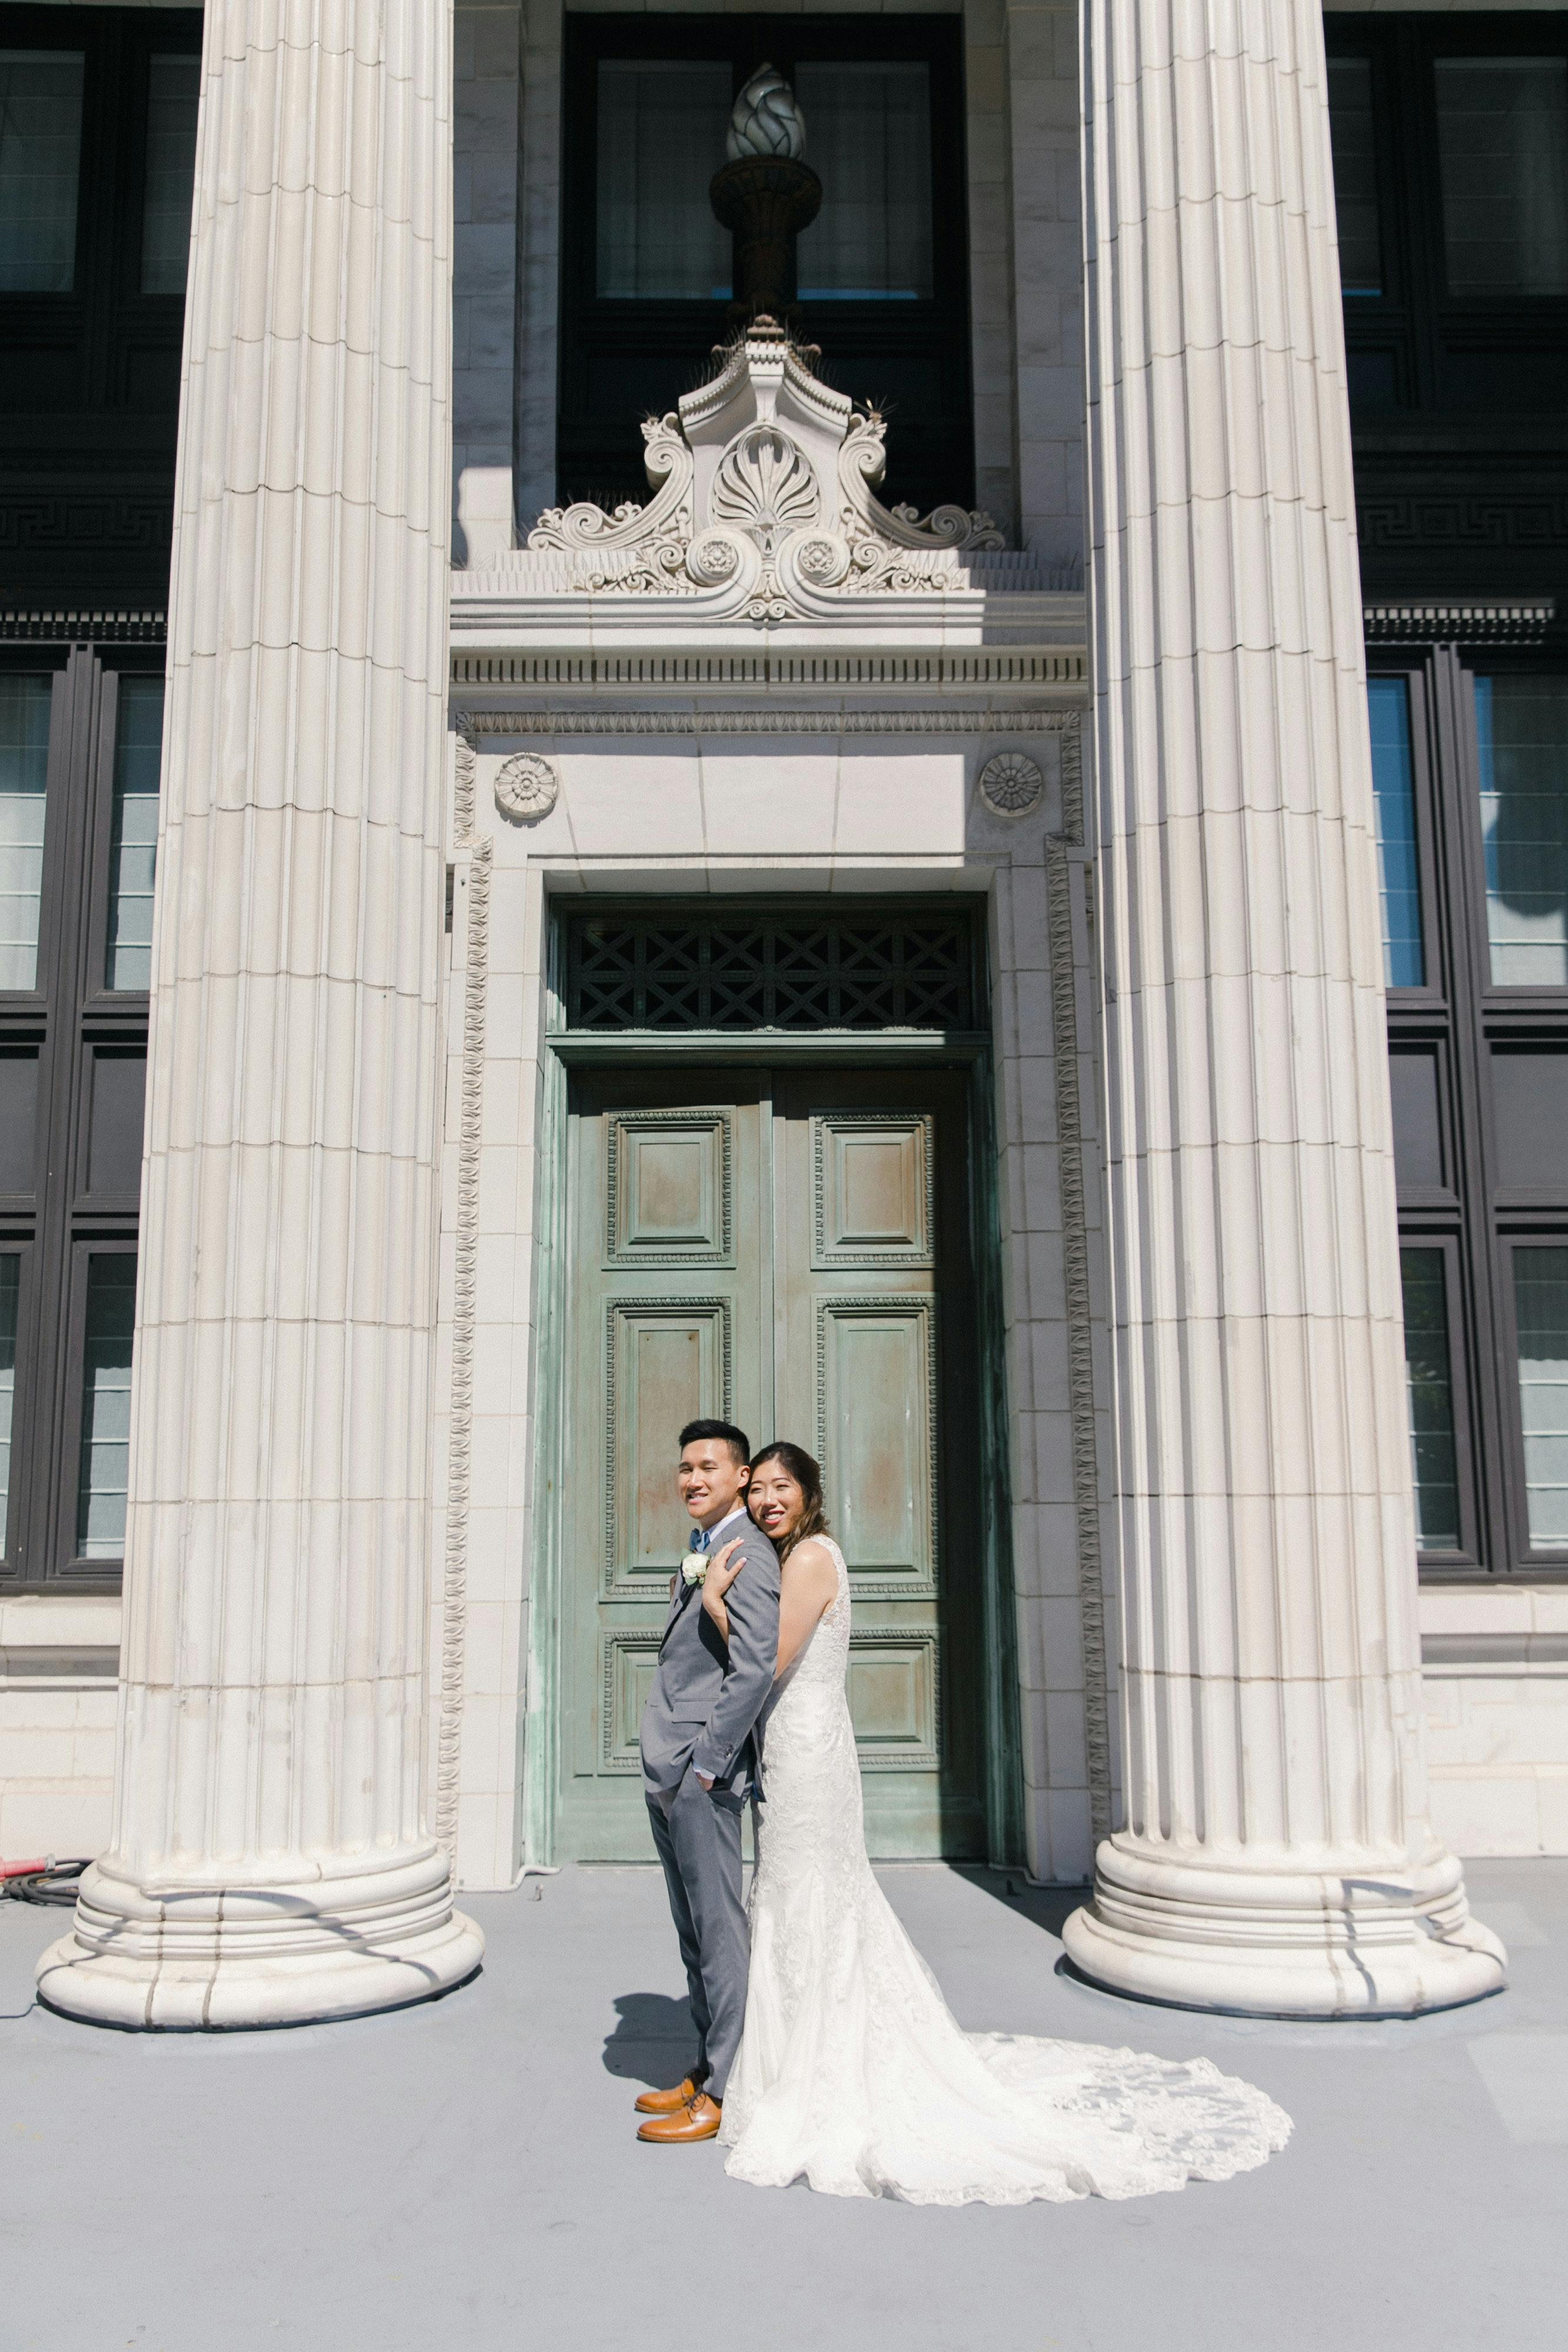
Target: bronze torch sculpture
(766,193)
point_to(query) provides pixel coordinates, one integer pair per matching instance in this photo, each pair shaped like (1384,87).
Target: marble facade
(1219,1634)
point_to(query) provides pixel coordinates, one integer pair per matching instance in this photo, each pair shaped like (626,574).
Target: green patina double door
(790,1250)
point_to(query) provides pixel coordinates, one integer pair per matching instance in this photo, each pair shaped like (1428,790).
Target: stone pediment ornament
(764,504)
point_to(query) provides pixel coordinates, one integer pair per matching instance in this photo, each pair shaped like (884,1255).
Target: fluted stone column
(269,1859)
(1276,1856)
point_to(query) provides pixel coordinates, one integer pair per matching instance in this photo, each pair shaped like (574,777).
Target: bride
(853,2074)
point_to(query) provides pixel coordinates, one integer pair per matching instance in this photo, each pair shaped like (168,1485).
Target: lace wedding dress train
(853,2074)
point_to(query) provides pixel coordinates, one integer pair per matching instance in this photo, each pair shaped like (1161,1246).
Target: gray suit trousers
(697,1834)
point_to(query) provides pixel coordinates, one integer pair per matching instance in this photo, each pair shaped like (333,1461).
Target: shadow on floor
(1047,1907)
(653,2043)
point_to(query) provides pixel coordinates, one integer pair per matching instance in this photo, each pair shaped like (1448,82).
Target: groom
(701,1757)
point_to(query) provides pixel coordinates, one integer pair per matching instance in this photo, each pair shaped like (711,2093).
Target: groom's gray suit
(702,1716)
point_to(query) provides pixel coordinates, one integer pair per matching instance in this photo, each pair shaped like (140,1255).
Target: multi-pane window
(1450,164)
(868,139)
(660,132)
(24,785)
(1388,709)
(1429,1386)
(1502,147)
(97,133)
(105,1444)
(133,837)
(98,116)
(173,86)
(40,157)
(1353,122)
(1470,771)
(1522,736)
(73,1058)
(881,275)
(10,1297)
(1540,1313)
(660,129)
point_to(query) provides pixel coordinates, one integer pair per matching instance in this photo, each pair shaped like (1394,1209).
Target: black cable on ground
(57,1884)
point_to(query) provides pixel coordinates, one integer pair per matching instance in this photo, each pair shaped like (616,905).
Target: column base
(181,1957)
(1266,1940)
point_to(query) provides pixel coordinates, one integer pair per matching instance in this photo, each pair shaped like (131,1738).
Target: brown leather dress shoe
(667,2103)
(698,2119)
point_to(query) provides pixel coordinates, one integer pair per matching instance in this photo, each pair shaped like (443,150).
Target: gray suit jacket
(704,1707)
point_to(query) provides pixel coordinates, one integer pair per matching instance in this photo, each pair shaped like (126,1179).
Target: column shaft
(1276,1855)
(269,1859)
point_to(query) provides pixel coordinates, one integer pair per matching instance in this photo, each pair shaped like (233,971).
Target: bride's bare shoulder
(812,1562)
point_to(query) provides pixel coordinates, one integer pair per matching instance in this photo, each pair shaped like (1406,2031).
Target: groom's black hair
(736,1439)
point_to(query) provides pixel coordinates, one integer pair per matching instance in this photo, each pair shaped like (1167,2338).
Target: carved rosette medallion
(713,558)
(823,562)
(527,786)
(1011,785)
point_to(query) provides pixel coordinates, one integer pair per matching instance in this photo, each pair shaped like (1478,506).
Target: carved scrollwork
(668,463)
(862,460)
(783,522)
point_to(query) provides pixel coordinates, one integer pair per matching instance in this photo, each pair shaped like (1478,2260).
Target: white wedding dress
(852,2073)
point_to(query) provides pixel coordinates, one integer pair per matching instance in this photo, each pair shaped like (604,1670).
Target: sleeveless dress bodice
(853,2074)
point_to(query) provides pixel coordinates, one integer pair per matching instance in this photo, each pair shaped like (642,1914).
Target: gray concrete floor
(464,2175)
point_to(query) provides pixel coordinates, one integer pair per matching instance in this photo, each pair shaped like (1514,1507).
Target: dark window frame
(1463,1019)
(67,1567)
(106,310)
(30,1004)
(67,1021)
(1548,1562)
(1465,1558)
(97,997)
(1424,333)
(1502,999)
(90,390)
(928,462)
(1433,995)
(18,1241)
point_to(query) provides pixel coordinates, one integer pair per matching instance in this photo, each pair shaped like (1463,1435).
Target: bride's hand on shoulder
(721,1571)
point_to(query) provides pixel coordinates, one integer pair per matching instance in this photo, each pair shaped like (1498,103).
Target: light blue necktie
(699,1540)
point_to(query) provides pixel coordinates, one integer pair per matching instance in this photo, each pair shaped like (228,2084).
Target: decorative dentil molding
(1459,620)
(63,627)
(764,502)
(531,725)
(1056,667)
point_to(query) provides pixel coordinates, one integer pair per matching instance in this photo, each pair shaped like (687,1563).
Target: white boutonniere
(694,1569)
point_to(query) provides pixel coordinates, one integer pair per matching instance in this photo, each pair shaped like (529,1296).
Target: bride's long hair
(813,1519)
